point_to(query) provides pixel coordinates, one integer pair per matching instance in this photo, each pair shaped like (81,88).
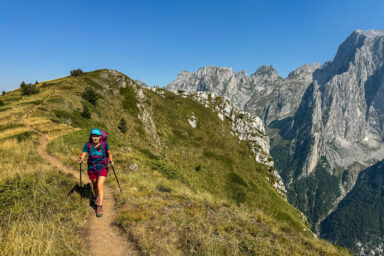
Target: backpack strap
(89,162)
(102,142)
(89,145)
(104,147)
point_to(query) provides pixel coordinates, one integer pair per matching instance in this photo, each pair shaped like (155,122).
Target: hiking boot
(99,211)
(94,202)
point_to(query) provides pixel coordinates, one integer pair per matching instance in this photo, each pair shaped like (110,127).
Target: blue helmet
(96,131)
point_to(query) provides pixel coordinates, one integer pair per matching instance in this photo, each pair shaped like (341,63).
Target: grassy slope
(37,216)
(198,191)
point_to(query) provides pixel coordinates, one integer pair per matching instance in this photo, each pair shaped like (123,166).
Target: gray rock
(244,125)
(327,119)
(133,167)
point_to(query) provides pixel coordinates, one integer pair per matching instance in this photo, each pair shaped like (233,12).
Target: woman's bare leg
(94,186)
(100,188)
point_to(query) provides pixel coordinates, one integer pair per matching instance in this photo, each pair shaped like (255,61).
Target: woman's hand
(112,163)
(81,157)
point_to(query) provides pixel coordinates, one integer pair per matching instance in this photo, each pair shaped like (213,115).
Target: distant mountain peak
(266,70)
(213,69)
(369,32)
(304,70)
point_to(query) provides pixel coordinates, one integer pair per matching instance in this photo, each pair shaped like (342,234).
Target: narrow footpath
(102,238)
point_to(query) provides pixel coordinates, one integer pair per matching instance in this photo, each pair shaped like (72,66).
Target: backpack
(103,140)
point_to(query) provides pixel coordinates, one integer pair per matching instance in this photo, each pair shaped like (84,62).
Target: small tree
(90,95)
(27,89)
(86,113)
(76,72)
(122,125)
(3,93)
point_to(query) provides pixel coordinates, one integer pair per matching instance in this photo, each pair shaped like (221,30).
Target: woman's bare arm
(110,157)
(81,157)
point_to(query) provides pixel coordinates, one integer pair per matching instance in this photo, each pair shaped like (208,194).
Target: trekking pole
(116,178)
(80,174)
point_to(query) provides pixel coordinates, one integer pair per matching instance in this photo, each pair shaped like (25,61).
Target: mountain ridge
(326,122)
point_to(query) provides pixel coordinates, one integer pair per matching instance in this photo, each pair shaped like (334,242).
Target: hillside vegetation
(187,191)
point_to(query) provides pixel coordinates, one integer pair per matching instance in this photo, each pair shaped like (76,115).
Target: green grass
(129,102)
(197,190)
(23,136)
(39,217)
(9,126)
(5,109)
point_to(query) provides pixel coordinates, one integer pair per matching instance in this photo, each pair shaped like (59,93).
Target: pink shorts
(95,174)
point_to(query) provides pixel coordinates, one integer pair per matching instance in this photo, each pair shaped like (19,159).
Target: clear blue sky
(154,40)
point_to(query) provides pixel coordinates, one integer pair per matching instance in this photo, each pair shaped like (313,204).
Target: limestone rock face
(326,123)
(349,91)
(263,93)
(244,125)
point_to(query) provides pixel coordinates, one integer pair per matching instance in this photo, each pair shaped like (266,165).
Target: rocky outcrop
(244,125)
(264,93)
(326,123)
(347,115)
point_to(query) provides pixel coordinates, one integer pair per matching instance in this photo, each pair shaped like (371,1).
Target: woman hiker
(98,156)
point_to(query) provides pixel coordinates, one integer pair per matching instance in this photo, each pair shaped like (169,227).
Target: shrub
(163,188)
(235,178)
(90,95)
(27,89)
(86,113)
(3,93)
(23,136)
(1,103)
(76,72)
(238,194)
(122,125)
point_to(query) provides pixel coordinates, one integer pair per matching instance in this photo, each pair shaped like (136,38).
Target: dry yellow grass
(38,218)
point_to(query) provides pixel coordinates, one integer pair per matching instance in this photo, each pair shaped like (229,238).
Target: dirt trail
(102,238)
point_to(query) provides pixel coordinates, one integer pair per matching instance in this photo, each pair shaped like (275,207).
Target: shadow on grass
(85,191)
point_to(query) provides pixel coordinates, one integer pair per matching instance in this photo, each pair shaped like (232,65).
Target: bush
(1,103)
(86,113)
(122,125)
(23,136)
(163,188)
(90,95)
(3,93)
(76,72)
(27,89)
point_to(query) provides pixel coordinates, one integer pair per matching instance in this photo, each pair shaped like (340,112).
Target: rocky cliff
(264,93)
(325,122)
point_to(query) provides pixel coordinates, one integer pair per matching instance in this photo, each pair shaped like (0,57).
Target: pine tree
(90,95)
